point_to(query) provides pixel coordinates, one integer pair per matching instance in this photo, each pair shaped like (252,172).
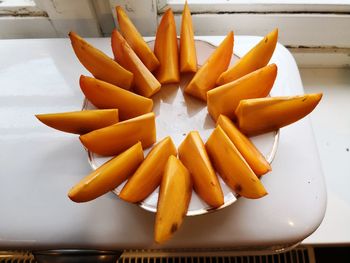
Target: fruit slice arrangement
(123,125)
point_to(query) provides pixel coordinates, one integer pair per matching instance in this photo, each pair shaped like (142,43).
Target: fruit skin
(224,99)
(136,41)
(145,83)
(188,56)
(105,96)
(166,50)
(108,176)
(249,152)
(80,122)
(257,116)
(232,167)
(206,76)
(116,138)
(99,64)
(256,58)
(149,174)
(173,201)
(194,156)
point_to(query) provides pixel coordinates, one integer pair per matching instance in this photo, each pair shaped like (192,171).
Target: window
(307,27)
(316,31)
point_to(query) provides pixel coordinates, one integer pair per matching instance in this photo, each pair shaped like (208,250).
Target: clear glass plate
(176,115)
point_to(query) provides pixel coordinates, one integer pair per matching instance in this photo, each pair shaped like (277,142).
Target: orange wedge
(188,56)
(135,40)
(193,155)
(249,152)
(206,76)
(145,83)
(232,167)
(165,48)
(173,201)
(106,96)
(149,175)
(80,122)
(257,116)
(256,58)
(116,138)
(108,176)
(224,99)
(99,64)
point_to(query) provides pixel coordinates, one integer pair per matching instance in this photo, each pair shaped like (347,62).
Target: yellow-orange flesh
(149,175)
(249,152)
(232,167)
(136,41)
(107,96)
(205,78)
(188,56)
(145,83)
(166,50)
(194,156)
(224,99)
(108,176)
(256,58)
(257,116)
(173,201)
(80,122)
(116,138)
(99,64)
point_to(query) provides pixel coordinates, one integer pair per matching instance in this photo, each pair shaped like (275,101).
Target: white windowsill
(20,8)
(212,6)
(331,125)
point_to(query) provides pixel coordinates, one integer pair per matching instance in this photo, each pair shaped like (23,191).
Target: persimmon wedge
(249,152)
(136,41)
(116,138)
(166,50)
(99,64)
(194,156)
(188,56)
(256,58)
(108,176)
(149,175)
(224,99)
(205,78)
(106,96)
(80,122)
(173,200)
(145,83)
(232,167)
(257,116)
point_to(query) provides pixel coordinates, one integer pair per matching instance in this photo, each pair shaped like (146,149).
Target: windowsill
(331,126)
(16,3)
(213,6)
(19,8)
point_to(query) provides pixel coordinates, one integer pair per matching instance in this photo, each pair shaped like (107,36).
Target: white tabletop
(38,165)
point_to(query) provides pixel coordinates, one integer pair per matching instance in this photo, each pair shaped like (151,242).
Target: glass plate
(176,115)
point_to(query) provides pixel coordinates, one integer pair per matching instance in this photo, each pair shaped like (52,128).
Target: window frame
(306,27)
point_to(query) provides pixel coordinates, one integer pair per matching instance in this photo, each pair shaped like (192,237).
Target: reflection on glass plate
(176,115)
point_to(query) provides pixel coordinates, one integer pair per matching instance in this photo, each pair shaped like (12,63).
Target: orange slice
(257,116)
(232,167)
(99,64)
(108,176)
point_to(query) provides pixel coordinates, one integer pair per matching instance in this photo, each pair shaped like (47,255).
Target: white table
(38,165)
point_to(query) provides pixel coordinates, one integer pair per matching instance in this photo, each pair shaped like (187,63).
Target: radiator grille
(297,255)
(16,257)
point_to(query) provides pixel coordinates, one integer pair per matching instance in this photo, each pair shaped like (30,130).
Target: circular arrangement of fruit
(123,124)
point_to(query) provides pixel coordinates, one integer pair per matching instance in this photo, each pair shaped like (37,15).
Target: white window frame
(53,18)
(307,27)
(316,31)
